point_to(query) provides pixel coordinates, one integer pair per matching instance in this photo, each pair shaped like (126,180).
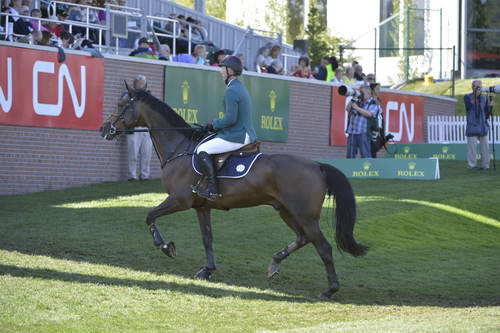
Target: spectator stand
(220,33)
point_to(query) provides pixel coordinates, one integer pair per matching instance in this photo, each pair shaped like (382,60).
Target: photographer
(478,110)
(360,108)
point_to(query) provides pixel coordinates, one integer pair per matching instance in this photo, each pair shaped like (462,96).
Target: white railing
(451,129)
(286,56)
(8,28)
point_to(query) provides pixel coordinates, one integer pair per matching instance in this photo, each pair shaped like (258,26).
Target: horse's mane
(165,111)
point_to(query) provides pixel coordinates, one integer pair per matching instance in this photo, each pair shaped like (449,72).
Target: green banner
(453,151)
(387,168)
(197,95)
(270,99)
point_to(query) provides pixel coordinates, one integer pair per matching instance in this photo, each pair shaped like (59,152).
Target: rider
(234,130)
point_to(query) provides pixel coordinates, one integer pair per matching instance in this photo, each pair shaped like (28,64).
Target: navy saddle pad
(237,165)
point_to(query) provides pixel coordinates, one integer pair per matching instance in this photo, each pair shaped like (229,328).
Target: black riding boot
(207,166)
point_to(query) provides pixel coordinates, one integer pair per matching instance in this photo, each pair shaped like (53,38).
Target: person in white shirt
(139,144)
(339,73)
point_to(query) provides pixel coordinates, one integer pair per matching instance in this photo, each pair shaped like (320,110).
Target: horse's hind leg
(273,269)
(324,249)
(206,233)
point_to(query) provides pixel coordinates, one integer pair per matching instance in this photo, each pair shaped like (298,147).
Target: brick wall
(37,159)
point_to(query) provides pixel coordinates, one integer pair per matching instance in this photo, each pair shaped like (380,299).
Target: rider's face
(224,72)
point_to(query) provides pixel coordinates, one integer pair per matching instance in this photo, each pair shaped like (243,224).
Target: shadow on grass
(189,288)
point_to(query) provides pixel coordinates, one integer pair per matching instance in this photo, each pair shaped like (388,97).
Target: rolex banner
(387,168)
(198,96)
(453,151)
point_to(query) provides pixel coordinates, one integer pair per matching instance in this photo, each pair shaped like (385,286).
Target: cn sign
(403,116)
(37,90)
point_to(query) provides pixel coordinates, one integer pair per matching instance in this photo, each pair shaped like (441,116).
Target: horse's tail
(338,186)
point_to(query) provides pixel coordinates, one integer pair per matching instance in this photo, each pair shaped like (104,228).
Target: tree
(216,8)
(295,20)
(317,36)
(276,16)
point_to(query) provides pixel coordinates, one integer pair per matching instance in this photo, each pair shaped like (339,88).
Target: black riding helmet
(234,63)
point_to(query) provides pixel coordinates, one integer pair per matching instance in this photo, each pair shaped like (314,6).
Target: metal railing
(8,28)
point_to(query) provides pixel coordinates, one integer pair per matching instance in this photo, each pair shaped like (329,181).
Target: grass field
(81,260)
(462,88)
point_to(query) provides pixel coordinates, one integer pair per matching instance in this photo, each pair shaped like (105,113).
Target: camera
(348,91)
(491,90)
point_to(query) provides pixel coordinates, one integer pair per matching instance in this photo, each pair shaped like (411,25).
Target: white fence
(451,129)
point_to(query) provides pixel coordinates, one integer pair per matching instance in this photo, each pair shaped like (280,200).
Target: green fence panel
(452,151)
(387,168)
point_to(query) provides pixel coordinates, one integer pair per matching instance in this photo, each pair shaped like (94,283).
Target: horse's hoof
(325,296)
(273,272)
(169,249)
(203,274)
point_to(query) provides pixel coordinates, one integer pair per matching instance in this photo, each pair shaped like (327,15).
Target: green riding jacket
(237,120)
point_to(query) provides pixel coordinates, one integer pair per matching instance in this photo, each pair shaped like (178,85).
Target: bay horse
(296,187)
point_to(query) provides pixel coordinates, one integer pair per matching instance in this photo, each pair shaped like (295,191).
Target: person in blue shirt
(234,130)
(478,111)
(357,127)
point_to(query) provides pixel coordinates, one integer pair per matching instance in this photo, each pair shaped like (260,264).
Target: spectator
(55,28)
(196,33)
(139,143)
(359,76)
(349,76)
(36,24)
(15,8)
(143,50)
(276,64)
(242,59)
(75,13)
(303,70)
(370,79)
(218,57)
(357,125)
(331,67)
(22,26)
(477,109)
(67,40)
(184,57)
(169,26)
(44,39)
(376,131)
(338,76)
(27,3)
(164,52)
(200,54)
(263,60)
(319,72)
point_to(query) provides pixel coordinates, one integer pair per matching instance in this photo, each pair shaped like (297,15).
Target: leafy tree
(277,16)
(295,21)
(316,32)
(216,8)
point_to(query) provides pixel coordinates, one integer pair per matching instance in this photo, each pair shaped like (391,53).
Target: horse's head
(126,116)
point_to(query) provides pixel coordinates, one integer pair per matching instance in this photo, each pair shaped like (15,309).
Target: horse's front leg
(206,234)
(169,206)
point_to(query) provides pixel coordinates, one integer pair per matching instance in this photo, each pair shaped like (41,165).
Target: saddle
(246,150)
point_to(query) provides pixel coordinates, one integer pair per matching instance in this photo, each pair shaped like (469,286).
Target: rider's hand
(209,127)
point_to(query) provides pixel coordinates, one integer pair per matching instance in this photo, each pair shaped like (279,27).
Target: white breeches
(219,146)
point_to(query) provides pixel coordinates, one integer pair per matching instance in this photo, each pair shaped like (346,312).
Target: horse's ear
(128,88)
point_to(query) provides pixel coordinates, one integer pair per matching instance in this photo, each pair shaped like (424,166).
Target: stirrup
(205,194)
